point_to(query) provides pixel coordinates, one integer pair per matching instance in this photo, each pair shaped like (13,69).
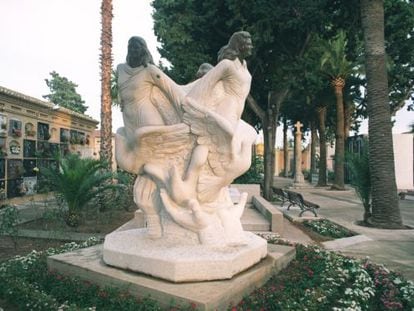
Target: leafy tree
(63,93)
(399,46)
(77,181)
(385,205)
(280,29)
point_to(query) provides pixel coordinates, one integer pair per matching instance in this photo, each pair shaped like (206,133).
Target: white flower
(348,291)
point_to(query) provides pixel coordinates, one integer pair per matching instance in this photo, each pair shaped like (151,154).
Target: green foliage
(334,60)
(315,280)
(254,175)
(360,177)
(27,283)
(280,32)
(322,280)
(9,219)
(328,228)
(63,93)
(77,181)
(399,45)
(114,88)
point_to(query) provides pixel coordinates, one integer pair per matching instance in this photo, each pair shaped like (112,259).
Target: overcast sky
(40,36)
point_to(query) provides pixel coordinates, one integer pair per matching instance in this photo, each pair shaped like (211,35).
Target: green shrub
(9,219)
(360,178)
(76,182)
(254,175)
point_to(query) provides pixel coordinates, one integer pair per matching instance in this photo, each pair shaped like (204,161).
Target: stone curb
(339,244)
(56,235)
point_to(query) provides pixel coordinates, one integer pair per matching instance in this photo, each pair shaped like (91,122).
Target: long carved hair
(232,49)
(138,53)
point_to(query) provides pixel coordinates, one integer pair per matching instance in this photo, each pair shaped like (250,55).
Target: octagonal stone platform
(87,264)
(178,261)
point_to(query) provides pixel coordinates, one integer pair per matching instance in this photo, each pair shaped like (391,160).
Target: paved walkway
(393,248)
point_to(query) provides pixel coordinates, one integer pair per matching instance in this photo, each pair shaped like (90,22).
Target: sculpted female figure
(213,109)
(149,102)
(201,144)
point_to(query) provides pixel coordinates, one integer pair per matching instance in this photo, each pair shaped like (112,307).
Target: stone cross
(298,178)
(298,125)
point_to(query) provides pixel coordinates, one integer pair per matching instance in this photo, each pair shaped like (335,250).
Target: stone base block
(178,261)
(87,264)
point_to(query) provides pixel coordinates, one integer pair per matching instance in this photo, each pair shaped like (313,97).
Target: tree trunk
(322,146)
(106,69)
(348,111)
(314,140)
(269,129)
(339,184)
(269,121)
(385,204)
(285,149)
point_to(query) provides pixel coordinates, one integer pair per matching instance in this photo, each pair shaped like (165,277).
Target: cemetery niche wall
(32,131)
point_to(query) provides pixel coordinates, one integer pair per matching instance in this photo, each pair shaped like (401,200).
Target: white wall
(403,159)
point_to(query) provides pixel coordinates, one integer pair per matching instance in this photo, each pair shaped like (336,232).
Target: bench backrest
(279,191)
(295,197)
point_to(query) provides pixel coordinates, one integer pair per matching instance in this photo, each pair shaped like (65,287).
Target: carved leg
(125,157)
(145,196)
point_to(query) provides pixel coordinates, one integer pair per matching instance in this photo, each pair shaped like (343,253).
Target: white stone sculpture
(187,144)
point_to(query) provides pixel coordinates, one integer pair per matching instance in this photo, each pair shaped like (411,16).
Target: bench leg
(306,210)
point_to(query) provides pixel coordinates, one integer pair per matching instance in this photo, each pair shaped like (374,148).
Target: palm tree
(77,181)
(337,67)
(106,70)
(385,204)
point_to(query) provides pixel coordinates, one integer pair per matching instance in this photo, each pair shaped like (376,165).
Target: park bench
(295,198)
(280,194)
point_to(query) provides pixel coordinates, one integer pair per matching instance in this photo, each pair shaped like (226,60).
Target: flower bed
(323,280)
(328,229)
(26,282)
(315,280)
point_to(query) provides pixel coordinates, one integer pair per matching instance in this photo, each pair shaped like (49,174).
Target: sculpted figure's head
(138,53)
(239,46)
(203,69)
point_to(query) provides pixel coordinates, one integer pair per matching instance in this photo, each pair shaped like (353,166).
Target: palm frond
(360,175)
(78,180)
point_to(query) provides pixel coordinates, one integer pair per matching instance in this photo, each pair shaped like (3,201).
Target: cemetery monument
(186,144)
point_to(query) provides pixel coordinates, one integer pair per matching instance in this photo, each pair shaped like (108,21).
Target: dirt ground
(107,222)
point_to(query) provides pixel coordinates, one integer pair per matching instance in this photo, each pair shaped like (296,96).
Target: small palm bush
(77,181)
(360,178)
